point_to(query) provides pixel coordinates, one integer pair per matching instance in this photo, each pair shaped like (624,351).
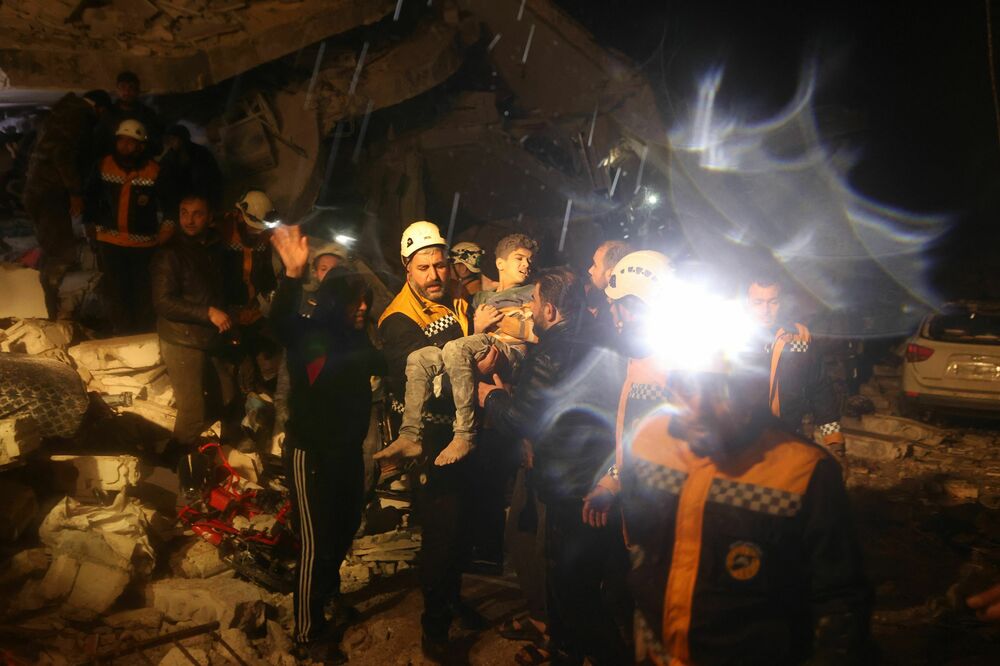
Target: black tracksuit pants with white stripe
(328,492)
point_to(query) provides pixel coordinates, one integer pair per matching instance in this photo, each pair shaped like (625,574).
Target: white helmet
(467,253)
(257,210)
(419,235)
(641,274)
(132,128)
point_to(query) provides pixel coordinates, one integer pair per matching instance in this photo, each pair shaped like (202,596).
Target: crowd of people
(659,512)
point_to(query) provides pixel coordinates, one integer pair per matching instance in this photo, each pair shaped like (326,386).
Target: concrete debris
(18,507)
(177,658)
(132,352)
(114,536)
(18,437)
(59,579)
(140,618)
(101,473)
(153,412)
(230,602)
(898,427)
(198,559)
(97,587)
(23,295)
(872,448)
(51,11)
(279,645)
(378,555)
(36,336)
(238,643)
(960,491)
(25,564)
(247,465)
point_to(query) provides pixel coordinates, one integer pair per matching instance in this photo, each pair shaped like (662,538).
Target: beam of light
(527,44)
(562,236)
(451,220)
(315,73)
(345,240)
(493,42)
(361,133)
(520,10)
(774,188)
(399,8)
(357,70)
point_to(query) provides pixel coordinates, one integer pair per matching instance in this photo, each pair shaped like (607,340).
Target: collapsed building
(357,117)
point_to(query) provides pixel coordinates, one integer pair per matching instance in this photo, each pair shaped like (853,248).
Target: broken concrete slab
(140,618)
(901,428)
(96,588)
(25,564)
(240,644)
(960,490)
(99,474)
(177,658)
(247,465)
(153,412)
(60,578)
(198,559)
(22,290)
(18,507)
(18,437)
(230,602)
(133,352)
(36,336)
(872,448)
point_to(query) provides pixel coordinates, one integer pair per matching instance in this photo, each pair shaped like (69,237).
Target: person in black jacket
(330,365)
(563,401)
(187,297)
(187,165)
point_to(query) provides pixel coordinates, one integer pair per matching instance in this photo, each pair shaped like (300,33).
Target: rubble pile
(885,450)
(130,364)
(378,555)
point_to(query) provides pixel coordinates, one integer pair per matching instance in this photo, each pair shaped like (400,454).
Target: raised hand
(293,248)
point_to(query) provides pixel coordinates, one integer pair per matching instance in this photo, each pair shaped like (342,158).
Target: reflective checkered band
(143,182)
(797,346)
(647,392)
(112,178)
(756,498)
(659,477)
(647,643)
(440,325)
(133,238)
(828,428)
(426,417)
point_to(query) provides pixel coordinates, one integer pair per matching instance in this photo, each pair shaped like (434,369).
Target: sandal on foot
(531,655)
(521,629)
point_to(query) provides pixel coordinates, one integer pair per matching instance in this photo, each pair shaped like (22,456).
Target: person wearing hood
(187,298)
(330,364)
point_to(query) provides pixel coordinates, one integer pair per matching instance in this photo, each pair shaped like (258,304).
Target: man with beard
(125,210)
(330,365)
(423,313)
(742,544)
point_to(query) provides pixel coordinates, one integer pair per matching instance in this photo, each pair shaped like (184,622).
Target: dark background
(909,85)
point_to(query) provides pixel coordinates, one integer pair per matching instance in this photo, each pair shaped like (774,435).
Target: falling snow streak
(562,236)
(361,133)
(614,183)
(493,42)
(520,11)
(593,122)
(527,44)
(399,8)
(357,70)
(454,214)
(312,79)
(642,167)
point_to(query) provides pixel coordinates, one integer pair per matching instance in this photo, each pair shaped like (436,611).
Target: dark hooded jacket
(329,365)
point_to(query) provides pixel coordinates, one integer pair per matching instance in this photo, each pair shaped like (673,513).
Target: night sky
(908,84)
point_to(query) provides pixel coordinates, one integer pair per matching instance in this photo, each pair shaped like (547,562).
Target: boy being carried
(502,321)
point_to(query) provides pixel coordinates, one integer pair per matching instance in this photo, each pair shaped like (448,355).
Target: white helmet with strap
(132,128)
(418,236)
(469,254)
(257,210)
(642,274)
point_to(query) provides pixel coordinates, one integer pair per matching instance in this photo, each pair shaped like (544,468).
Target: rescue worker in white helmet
(250,268)
(425,313)
(466,259)
(740,533)
(124,208)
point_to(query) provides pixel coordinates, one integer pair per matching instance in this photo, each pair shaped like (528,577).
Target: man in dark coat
(185,166)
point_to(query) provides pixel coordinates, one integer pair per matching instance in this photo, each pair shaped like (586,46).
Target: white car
(953,361)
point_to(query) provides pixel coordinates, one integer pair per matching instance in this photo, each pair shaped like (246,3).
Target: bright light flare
(693,329)
(345,240)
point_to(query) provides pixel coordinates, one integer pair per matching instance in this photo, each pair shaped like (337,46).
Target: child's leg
(422,366)
(459,358)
